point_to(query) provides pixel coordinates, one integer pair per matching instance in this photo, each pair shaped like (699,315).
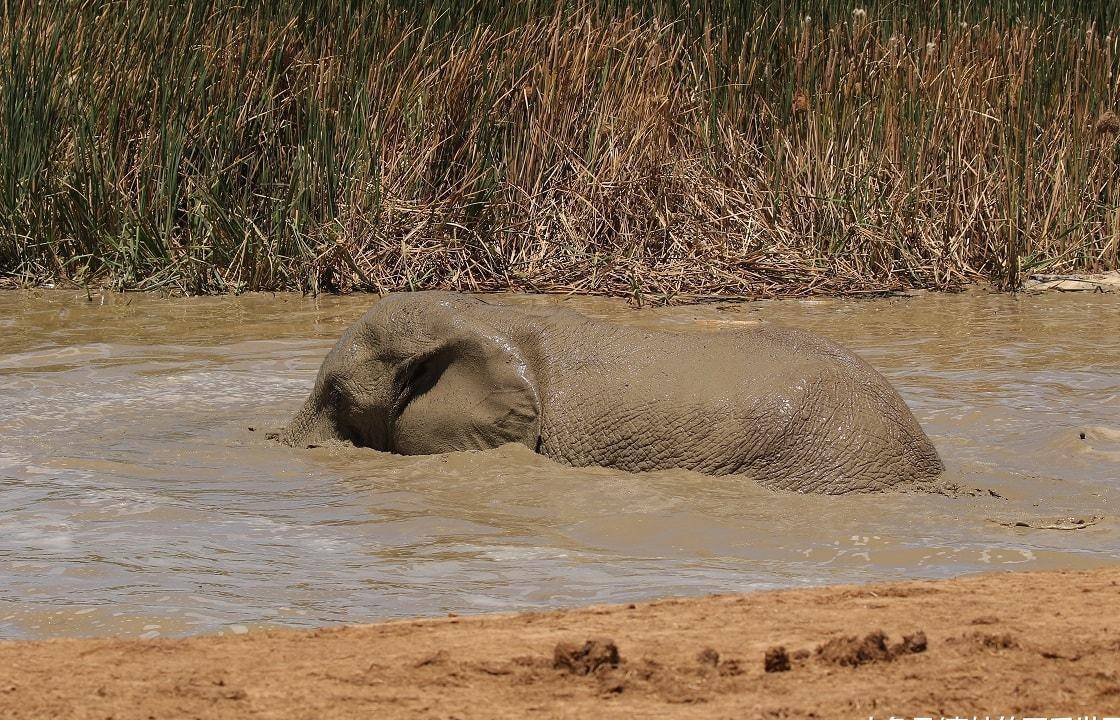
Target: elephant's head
(422,373)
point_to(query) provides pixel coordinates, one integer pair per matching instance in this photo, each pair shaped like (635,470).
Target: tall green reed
(674,148)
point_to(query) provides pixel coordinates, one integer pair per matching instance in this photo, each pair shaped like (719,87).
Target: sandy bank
(1033,643)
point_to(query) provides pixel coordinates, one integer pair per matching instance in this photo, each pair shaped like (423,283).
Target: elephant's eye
(335,395)
(343,394)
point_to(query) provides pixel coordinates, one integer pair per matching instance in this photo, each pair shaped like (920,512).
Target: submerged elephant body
(433,372)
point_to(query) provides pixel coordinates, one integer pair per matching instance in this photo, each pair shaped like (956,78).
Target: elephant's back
(848,425)
(782,344)
(743,363)
(781,405)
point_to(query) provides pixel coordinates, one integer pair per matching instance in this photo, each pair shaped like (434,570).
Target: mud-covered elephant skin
(433,372)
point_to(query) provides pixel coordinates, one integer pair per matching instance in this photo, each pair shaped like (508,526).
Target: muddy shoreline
(1046,644)
(1101,282)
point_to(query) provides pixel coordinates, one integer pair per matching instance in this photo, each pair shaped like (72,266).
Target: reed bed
(664,150)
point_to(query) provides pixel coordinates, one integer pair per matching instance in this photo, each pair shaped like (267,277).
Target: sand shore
(1034,644)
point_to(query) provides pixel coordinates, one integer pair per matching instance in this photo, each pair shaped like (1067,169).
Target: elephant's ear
(474,391)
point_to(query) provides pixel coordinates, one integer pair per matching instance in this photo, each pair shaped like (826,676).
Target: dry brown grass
(666,154)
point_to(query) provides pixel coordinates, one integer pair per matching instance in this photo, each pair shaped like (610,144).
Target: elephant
(433,372)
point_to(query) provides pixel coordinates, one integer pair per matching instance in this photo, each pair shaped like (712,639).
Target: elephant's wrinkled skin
(433,372)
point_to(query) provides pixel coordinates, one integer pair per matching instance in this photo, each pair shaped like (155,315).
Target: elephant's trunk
(310,426)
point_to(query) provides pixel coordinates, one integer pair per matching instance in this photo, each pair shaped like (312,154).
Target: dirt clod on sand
(915,643)
(994,641)
(587,658)
(708,656)
(776,660)
(853,651)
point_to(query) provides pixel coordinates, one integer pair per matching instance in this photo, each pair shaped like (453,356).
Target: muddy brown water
(135,500)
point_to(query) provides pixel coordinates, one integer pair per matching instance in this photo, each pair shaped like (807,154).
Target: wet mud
(140,496)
